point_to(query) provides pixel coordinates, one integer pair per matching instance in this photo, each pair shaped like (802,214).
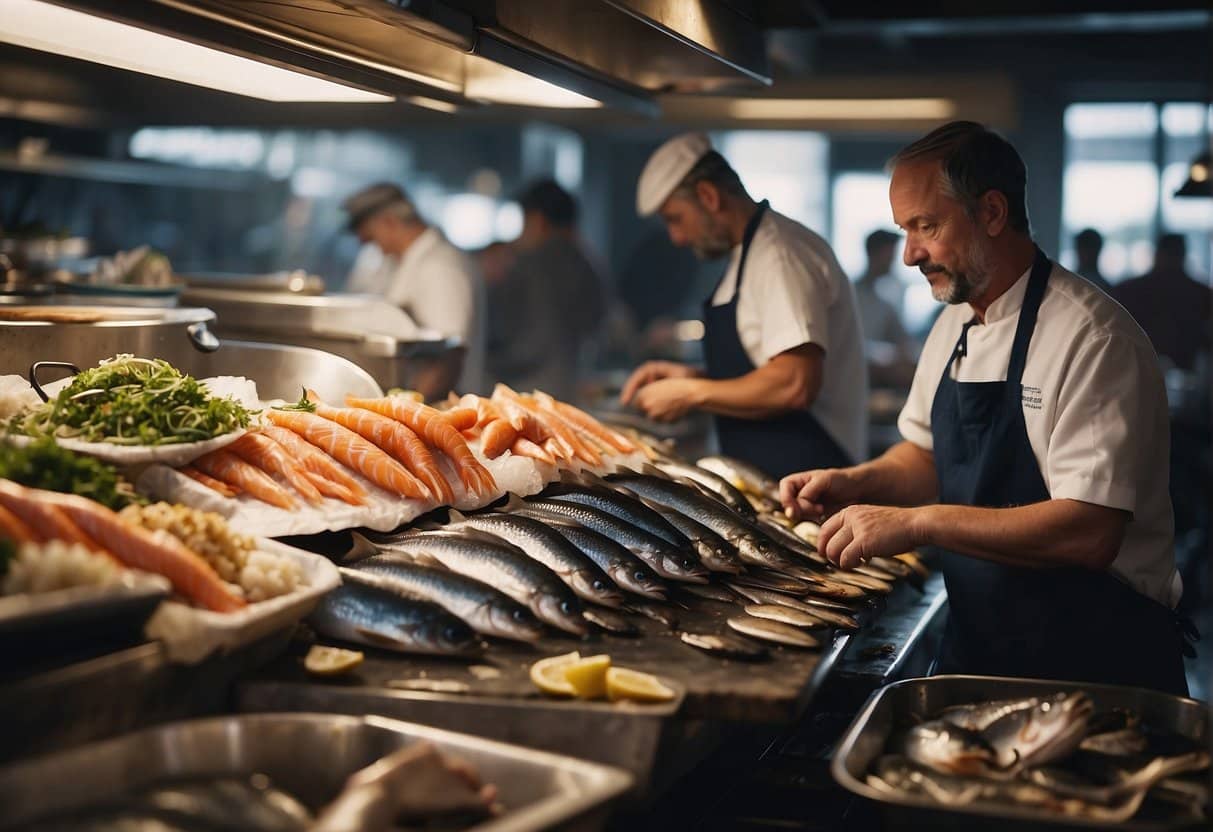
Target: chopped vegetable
(43,567)
(43,464)
(135,401)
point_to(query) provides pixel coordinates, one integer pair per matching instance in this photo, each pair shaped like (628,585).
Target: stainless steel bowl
(310,756)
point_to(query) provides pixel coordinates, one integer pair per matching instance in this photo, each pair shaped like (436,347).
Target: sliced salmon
(14,528)
(46,521)
(210,482)
(579,418)
(351,450)
(497,438)
(226,467)
(259,450)
(525,447)
(317,462)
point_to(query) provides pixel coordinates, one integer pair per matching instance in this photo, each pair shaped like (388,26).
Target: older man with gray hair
(412,265)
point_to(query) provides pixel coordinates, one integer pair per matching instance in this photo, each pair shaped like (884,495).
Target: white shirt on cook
(1094,405)
(441,289)
(793,293)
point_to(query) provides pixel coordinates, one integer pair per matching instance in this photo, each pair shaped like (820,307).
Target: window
(790,168)
(1124,162)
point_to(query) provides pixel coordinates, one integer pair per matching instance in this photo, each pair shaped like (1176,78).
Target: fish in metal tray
(785,615)
(1117,783)
(548,547)
(626,570)
(1049,730)
(611,621)
(945,747)
(772,631)
(668,561)
(725,646)
(494,561)
(484,608)
(365,611)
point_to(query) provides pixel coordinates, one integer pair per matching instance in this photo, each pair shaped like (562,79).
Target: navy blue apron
(792,442)
(1061,623)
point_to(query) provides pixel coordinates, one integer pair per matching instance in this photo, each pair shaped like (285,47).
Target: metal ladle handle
(38,365)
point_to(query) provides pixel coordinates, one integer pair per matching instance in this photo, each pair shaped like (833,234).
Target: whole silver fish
(822,584)
(548,547)
(773,631)
(728,493)
(725,646)
(977,716)
(668,561)
(366,613)
(493,561)
(484,608)
(754,547)
(755,479)
(626,570)
(768,579)
(628,509)
(1049,730)
(784,615)
(765,596)
(713,550)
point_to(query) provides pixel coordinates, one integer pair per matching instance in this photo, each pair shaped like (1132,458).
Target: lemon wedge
(588,676)
(622,683)
(548,674)
(331,661)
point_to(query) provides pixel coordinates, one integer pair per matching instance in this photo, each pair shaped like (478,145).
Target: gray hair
(975,160)
(715,169)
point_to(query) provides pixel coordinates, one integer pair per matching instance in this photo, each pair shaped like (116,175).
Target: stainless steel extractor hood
(448,54)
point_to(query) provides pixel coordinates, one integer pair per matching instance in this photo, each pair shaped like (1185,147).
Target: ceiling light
(499,84)
(49,28)
(840,109)
(432,103)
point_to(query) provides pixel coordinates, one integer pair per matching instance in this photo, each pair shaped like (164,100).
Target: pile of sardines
(591,554)
(1053,754)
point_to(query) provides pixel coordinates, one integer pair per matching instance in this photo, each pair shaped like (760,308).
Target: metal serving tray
(899,703)
(310,756)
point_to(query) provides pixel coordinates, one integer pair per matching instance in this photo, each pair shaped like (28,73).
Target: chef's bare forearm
(904,475)
(1050,533)
(789,381)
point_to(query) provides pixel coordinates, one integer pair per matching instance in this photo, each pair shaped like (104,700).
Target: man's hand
(651,371)
(858,533)
(811,495)
(669,399)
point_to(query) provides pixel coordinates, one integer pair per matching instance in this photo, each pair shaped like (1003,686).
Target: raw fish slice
(45,521)
(264,453)
(333,489)
(588,423)
(497,438)
(394,438)
(14,528)
(460,418)
(525,447)
(523,421)
(227,467)
(352,450)
(137,548)
(313,459)
(210,482)
(429,425)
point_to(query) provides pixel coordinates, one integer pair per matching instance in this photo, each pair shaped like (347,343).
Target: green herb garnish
(43,464)
(304,404)
(135,401)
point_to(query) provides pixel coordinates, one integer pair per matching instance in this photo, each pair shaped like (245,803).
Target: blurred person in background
(549,302)
(890,351)
(410,264)
(1088,243)
(1170,305)
(785,378)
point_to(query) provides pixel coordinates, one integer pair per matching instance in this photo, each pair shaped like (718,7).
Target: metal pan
(310,756)
(898,704)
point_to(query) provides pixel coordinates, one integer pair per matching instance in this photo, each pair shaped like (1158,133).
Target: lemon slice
(331,661)
(548,674)
(622,683)
(588,676)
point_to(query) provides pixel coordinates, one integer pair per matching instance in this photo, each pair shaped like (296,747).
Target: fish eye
(599,585)
(518,615)
(566,607)
(640,576)
(451,633)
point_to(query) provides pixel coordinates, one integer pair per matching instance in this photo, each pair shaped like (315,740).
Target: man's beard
(965,284)
(714,243)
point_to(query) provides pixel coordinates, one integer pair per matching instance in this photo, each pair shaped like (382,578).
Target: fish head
(638,579)
(756,547)
(717,558)
(682,565)
(440,635)
(948,748)
(564,613)
(1053,727)
(516,620)
(598,588)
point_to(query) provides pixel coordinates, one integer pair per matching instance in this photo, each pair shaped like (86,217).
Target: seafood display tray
(309,755)
(895,704)
(639,738)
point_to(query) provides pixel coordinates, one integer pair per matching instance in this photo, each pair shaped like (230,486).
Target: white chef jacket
(1094,405)
(439,286)
(795,293)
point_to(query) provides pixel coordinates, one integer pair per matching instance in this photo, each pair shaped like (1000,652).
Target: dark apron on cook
(792,442)
(1064,623)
